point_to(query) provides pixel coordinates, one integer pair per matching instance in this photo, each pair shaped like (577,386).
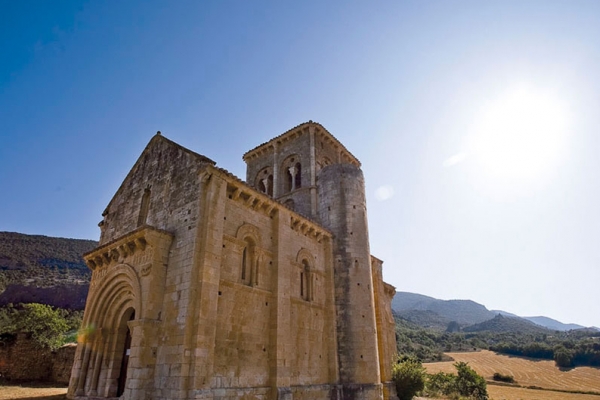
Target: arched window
(249,270)
(244,263)
(292,173)
(288,181)
(306,281)
(264,181)
(298,176)
(144,208)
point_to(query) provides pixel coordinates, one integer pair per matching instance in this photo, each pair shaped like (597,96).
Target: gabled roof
(156,139)
(231,178)
(284,136)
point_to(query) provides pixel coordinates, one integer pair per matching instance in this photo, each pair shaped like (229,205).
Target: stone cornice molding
(389,290)
(322,133)
(249,197)
(115,251)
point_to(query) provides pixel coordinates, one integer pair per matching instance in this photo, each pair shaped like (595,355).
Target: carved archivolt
(119,287)
(305,254)
(248,230)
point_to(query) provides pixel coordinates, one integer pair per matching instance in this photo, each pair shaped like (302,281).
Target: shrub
(469,383)
(409,377)
(45,324)
(440,384)
(503,378)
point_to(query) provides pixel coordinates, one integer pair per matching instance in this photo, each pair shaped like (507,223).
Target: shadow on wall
(24,360)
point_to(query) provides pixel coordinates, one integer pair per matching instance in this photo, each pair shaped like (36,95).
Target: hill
(424,319)
(43,269)
(553,324)
(464,312)
(429,312)
(500,324)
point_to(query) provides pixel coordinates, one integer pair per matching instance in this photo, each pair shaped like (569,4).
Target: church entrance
(125,360)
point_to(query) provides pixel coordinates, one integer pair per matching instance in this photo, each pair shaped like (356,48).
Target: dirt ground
(31,391)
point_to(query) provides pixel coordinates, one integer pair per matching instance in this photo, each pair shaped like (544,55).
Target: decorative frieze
(120,249)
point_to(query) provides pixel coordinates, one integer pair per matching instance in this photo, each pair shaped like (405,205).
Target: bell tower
(310,171)
(287,167)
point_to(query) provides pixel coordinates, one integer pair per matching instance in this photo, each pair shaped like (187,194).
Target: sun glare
(520,134)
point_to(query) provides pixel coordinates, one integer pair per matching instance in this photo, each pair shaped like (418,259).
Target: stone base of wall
(305,392)
(257,393)
(24,360)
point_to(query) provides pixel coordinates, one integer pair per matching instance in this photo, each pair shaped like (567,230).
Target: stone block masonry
(208,287)
(25,360)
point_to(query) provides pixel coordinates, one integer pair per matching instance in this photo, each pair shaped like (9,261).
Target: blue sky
(408,87)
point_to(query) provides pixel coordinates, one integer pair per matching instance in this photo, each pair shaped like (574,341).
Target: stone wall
(24,360)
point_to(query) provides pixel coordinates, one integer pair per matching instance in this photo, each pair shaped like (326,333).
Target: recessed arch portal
(114,300)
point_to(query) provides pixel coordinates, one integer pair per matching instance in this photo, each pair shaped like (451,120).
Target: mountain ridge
(44,269)
(430,312)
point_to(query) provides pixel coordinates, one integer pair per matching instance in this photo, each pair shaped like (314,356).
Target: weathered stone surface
(206,287)
(25,360)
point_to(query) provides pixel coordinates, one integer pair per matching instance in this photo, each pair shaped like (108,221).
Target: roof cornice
(320,129)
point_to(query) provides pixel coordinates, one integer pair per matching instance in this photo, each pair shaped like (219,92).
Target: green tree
(45,324)
(8,320)
(440,384)
(563,357)
(409,377)
(469,383)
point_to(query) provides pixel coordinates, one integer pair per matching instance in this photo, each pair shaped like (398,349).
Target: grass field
(527,372)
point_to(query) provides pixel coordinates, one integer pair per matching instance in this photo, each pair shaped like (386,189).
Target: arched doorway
(126,351)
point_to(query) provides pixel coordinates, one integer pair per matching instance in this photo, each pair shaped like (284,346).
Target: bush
(469,383)
(440,384)
(503,378)
(563,357)
(409,377)
(45,324)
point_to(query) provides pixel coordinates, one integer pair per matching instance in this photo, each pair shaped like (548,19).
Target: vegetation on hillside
(415,306)
(42,260)
(507,324)
(568,349)
(41,269)
(428,345)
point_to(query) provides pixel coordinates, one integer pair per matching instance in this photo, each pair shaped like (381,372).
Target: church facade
(208,287)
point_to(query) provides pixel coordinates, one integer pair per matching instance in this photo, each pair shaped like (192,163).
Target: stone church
(205,286)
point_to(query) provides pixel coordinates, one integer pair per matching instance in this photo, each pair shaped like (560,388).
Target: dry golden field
(516,393)
(527,372)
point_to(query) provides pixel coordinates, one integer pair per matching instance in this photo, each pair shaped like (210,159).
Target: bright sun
(520,134)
